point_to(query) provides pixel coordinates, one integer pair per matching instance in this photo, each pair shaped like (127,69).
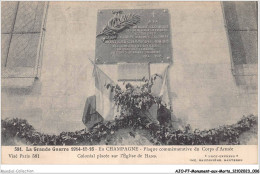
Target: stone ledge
(17,82)
(18,72)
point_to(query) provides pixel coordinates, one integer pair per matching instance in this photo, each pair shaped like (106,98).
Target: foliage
(133,100)
(162,135)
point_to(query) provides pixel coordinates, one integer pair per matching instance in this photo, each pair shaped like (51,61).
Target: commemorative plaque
(133,36)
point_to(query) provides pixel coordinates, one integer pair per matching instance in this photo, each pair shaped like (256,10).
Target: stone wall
(203,90)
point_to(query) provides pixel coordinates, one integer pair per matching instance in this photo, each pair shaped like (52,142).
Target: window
(241,24)
(22,38)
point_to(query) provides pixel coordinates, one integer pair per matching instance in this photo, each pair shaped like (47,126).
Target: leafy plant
(134,100)
(162,135)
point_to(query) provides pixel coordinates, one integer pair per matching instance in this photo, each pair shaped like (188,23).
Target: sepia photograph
(153,74)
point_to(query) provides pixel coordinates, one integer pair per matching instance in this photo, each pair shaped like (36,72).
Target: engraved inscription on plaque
(133,36)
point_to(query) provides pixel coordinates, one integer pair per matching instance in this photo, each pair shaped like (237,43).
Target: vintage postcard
(129,82)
